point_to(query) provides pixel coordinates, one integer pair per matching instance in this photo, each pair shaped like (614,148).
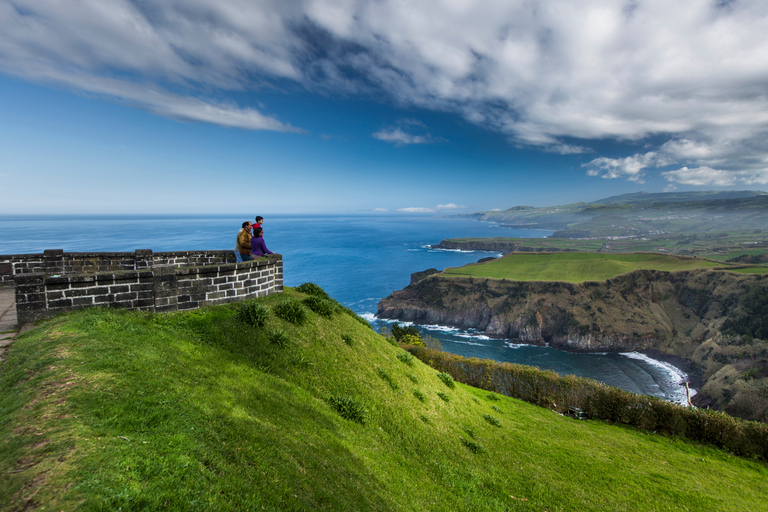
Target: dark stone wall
(56,281)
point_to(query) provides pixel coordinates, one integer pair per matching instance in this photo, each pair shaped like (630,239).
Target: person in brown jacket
(243,243)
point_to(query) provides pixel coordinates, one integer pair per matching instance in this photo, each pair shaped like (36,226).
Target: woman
(258,247)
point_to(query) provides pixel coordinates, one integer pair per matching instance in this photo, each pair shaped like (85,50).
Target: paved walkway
(8,327)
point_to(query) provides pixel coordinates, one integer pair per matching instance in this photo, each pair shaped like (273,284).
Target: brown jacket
(243,241)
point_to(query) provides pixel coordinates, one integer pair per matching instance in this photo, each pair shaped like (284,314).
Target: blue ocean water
(357,259)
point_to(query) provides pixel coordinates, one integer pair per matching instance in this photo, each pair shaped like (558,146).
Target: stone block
(61,303)
(82,301)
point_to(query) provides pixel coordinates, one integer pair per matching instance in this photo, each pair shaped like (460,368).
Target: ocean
(357,259)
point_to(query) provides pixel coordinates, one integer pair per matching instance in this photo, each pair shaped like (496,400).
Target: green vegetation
(575,267)
(111,410)
(599,401)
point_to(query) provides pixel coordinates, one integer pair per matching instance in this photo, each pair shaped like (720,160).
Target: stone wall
(56,281)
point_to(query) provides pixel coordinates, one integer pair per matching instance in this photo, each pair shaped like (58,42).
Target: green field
(576,267)
(104,409)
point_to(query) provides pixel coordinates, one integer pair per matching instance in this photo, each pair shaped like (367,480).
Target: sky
(351,106)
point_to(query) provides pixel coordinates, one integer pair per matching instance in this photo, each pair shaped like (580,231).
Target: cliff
(671,314)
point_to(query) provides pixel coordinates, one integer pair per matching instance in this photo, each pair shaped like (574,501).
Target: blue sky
(445,106)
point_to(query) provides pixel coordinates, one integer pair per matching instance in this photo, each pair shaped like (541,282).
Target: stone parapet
(56,281)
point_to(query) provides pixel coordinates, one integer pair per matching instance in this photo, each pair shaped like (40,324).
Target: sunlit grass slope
(576,267)
(112,410)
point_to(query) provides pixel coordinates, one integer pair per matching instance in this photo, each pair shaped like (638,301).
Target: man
(243,243)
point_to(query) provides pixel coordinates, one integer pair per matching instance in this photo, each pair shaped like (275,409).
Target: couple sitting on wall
(251,246)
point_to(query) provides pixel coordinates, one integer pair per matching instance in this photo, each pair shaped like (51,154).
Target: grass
(111,410)
(752,270)
(575,267)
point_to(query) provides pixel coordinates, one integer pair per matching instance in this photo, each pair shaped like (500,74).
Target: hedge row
(548,389)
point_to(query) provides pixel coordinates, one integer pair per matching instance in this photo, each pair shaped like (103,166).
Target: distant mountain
(642,215)
(679,197)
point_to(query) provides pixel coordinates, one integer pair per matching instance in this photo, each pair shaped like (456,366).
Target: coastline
(671,369)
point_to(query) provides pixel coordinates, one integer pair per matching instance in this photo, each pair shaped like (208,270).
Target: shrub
(424,419)
(322,307)
(349,408)
(398,332)
(492,396)
(495,408)
(291,311)
(472,446)
(599,401)
(406,357)
(444,396)
(278,337)
(252,313)
(387,377)
(313,290)
(492,420)
(418,394)
(413,378)
(432,342)
(411,339)
(346,338)
(447,379)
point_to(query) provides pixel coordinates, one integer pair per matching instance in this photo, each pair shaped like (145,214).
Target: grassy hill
(112,410)
(575,267)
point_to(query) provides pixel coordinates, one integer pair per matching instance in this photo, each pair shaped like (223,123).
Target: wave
(676,374)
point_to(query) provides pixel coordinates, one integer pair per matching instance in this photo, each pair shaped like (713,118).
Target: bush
(398,332)
(346,338)
(252,313)
(322,307)
(492,420)
(444,396)
(291,311)
(387,377)
(599,401)
(278,337)
(411,339)
(406,357)
(349,408)
(418,394)
(447,379)
(472,446)
(313,290)
(432,342)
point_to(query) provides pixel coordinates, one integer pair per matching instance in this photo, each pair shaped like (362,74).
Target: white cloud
(416,209)
(706,176)
(449,206)
(692,73)
(400,138)
(631,167)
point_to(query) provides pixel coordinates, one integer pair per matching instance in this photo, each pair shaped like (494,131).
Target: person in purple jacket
(258,247)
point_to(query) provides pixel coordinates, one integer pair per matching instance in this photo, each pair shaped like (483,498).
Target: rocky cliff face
(636,311)
(674,314)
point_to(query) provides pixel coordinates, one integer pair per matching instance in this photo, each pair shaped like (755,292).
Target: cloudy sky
(194,106)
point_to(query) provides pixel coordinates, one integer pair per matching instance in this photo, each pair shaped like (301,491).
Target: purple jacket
(258,247)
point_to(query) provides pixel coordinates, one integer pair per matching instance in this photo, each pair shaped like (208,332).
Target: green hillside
(111,410)
(576,267)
